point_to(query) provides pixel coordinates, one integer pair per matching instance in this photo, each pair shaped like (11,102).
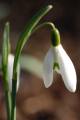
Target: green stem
(13,104)
(7,97)
(55,36)
(45,24)
(8,104)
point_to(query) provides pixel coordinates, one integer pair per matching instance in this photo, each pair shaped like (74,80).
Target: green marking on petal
(56,66)
(55,37)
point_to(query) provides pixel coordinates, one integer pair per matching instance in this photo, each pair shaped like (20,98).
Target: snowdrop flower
(57,60)
(10,71)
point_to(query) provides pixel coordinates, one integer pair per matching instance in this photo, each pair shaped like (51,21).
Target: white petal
(48,68)
(67,69)
(18,75)
(10,71)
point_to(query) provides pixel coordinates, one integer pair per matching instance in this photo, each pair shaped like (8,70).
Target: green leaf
(27,32)
(5,50)
(21,42)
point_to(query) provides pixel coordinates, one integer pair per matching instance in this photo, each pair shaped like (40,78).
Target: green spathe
(55,37)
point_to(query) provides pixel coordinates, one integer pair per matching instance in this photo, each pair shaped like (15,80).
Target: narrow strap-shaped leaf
(5,52)
(27,32)
(21,42)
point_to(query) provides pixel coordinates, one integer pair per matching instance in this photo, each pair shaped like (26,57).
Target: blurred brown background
(34,101)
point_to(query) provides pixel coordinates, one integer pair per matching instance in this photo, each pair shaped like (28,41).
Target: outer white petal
(48,68)
(10,71)
(67,69)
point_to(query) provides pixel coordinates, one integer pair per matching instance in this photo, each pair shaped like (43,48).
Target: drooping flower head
(58,60)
